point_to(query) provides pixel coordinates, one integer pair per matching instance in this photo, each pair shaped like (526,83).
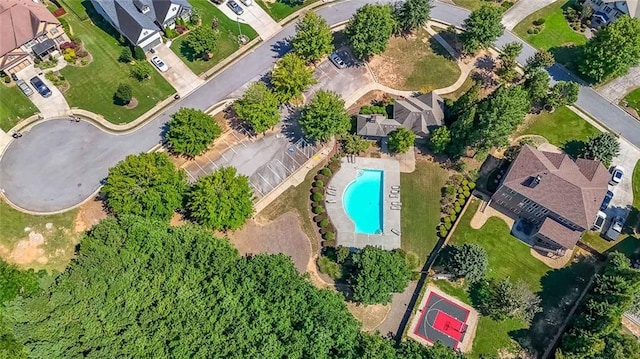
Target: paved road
(55,166)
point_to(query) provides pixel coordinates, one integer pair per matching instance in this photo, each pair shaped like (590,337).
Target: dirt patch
(29,250)
(280,236)
(631,326)
(89,215)
(371,316)
(177,220)
(132,104)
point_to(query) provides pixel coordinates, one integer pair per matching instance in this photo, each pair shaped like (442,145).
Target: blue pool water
(363,201)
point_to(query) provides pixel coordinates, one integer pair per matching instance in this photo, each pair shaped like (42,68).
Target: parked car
(601,217)
(24,87)
(337,60)
(606,201)
(246,2)
(614,231)
(159,64)
(235,7)
(616,175)
(217,2)
(14,77)
(42,89)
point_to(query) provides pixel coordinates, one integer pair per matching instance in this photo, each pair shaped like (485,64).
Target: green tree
(138,53)
(603,147)
(290,77)
(259,107)
(191,132)
(537,85)
(468,261)
(369,30)
(146,185)
(141,70)
(510,300)
(222,200)
(463,132)
(354,144)
(412,14)
(202,41)
(325,116)
(313,38)
(440,139)
(498,116)
(123,94)
(125,55)
(401,140)
(481,29)
(468,100)
(377,274)
(563,93)
(612,50)
(542,58)
(508,60)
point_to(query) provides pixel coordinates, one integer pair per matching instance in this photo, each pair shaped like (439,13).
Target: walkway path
(58,164)
(522,9)
(617,89)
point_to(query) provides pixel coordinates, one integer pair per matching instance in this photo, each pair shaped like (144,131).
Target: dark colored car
(235,7)
(40,86)
(606,201)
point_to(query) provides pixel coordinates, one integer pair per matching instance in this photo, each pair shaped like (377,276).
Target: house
(421,114)
(556,197)
(605,11)
(141,22)
(27,29)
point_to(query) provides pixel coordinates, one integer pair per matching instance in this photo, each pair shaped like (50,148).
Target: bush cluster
(455,194)
(318,207)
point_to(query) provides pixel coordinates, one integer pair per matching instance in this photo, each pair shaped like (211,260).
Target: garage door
(24,63)
(155,43)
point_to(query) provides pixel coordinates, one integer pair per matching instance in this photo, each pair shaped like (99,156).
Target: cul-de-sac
(377,179)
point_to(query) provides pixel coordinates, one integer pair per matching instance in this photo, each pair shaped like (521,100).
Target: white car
(616,175)
(246,2)
(601,217)
(159,64)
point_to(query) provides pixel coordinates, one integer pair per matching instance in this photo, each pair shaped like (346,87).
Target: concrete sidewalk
(617,89)
(179,75)
(522,9)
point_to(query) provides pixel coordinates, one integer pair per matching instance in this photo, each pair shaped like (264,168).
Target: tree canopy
(325,116)
(468,261)
(147,185)
(542,58)
(259,107)
(613,50)
(202,40)
(377,274)
(499,114)
(191,132)
(401,140)
(481,28)
(508,60)
(369,30)
(603,147)
(563,93)
(537,84)
(221,200)
(123,94)
(503,299)
(354,144)
(291,76)
(412,14)
(313,38)
(440,139)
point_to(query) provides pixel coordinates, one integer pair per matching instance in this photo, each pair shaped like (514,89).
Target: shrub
(453,217)
(125,55)
(138,53)
(531,31)
(318,184)
(319,217)
(459,203)
(442,232)
(507,4)
(123,94)
(472,185)
(447,226)
(7,79)
(539,21)
(461,196)
(467,194)
(69,55)
(141,70)
(326,172)
(465,182)
(536,31)
(82,53)
(458,209)
(329,236)
(329,267)
(324,223)
(318,210)
(317,197)
(170,33)
(465,188)
(446,219)
(452,212)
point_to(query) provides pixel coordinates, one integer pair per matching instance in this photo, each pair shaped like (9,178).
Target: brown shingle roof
(560,234)
(19,21)
(573,190)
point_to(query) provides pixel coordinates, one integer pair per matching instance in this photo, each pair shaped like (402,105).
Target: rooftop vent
(534,181)
(143,8)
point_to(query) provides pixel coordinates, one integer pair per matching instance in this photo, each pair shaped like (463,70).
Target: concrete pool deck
(345,228)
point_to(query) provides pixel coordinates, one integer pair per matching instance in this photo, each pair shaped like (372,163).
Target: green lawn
(634,217)
(14,106)
(279,10)
(556,36)
(421,193)
(474,4)
(562,128)
(633,99)
(77,6)
(92,86)
(510,257)
(227,40)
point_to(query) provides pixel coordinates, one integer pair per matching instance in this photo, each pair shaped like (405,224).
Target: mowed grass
(278,10)
(14,106)
(633,99)
(509,257)
(61,238)
(227,37)
(474,4)
(416,62)
(93,86)
(556,35)
(562,128)
(421,193)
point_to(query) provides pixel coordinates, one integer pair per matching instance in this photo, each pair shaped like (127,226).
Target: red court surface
(449,326)
(442,320)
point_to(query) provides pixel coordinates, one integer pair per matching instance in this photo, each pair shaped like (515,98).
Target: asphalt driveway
(623,192)
(342,81)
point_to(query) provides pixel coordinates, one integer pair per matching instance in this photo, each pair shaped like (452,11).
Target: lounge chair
(396,204)
(393,195)
(330,194)
(395,231)
(395,191)
(395,187)
(331,201)
(395,208)
(331,188)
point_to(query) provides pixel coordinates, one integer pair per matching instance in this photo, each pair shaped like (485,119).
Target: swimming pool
(362,201)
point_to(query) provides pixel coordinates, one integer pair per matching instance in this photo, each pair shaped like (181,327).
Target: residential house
(605,11)
(556,197)
(141,22)
(27,29)
(421,114)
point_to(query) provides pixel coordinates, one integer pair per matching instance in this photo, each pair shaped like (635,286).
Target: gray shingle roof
(560,234)
(375,125)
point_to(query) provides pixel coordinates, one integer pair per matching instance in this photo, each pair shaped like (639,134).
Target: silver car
(614,231)
(24,87)
(337,60)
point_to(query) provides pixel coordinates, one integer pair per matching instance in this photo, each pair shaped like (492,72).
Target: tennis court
(441,318)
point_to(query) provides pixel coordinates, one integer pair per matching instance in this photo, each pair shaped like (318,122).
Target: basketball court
(445,319)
